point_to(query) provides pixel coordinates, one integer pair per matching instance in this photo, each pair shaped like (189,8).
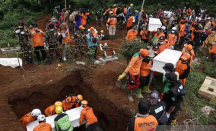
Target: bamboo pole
(65,4)
(140,14)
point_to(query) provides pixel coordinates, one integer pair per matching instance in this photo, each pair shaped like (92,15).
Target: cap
(21,23)
(169,67)
(171,76)
(162,38)
(188,47)
(154,96)
(185,56)
(51,26)
(81,27)
(144,52)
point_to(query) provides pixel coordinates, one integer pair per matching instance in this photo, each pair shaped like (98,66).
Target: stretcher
(74,116)
(167,56)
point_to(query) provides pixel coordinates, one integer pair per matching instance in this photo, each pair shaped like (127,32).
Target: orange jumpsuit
(163,46)
(144,36)
(43,127)
(145,68)
(159,35)
(182,30)
(107,11)
(114,11)
(131,35)
(213,50)
(26,119)
(192,28)
(37,38)
(49,111)
(172,39)
(189,11)
(71,103)
(130,22)
(83,20)
(88,114)
(182,69)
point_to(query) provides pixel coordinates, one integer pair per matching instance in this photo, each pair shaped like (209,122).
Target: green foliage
(209,68)
(90,56)
(130,48)
(4,43)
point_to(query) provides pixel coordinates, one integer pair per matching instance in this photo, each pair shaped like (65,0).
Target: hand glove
(33,32)
(122,76)
(22,32)
(168,115)
(17,31)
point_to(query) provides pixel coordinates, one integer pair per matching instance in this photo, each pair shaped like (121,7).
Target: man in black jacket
(199,38)
(174,99)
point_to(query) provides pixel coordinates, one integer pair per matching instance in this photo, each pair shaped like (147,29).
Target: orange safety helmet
(144,52)
(84,103)
(185,56)
(79,97)
(188,47)
(81,27)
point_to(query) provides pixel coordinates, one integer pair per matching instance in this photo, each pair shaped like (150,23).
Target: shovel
(118,83)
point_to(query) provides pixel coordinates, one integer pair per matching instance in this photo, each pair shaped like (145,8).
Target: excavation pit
(24,101)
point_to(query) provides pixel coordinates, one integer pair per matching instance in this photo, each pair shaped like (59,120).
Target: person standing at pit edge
(112,21)
(38,42)
(143,121)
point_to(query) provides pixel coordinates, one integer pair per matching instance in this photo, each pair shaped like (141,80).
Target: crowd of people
(62,121)
(189,29)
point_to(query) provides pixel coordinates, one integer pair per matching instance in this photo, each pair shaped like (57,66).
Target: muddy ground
(40,86)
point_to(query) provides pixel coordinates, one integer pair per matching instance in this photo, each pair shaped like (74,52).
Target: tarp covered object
(12,62)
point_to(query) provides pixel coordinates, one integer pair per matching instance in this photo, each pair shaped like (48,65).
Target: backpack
(181,90)
(163,118)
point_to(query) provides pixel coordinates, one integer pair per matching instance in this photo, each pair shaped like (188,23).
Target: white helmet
(88,30)
(174,28)
(96,32)
(163,27)
(41,118)
(36,112)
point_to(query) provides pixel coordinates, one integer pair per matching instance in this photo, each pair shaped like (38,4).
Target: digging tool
(118,83)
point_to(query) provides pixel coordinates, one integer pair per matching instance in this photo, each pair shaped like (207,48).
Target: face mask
(35,28)
(195,20)
(51,29)
(144,28)
(82,31)
(172,32)
(134,30)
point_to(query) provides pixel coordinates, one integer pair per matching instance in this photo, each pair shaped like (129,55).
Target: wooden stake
(140,14)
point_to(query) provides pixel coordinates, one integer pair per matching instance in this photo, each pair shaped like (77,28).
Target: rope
(187,121)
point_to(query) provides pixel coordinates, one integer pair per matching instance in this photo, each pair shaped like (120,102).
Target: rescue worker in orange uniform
(87,114)
(189,12)
(165,44)
(181,33)
(129,23)
(30,117)
(143,121)
(172,38)
(49,111)
(112,21)
(144,34)
(38,42)
(65,34)
(43,126)
(125,10)
(212,52)
(83,19)
(133,69)
(115,9)
(158,35)
(183,67)
(132,34)
(194,24)
(188,49)
(145,76)
(71,101)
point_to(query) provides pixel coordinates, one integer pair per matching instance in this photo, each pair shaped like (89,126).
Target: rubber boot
(145,89)
(148,86)
(139,93)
